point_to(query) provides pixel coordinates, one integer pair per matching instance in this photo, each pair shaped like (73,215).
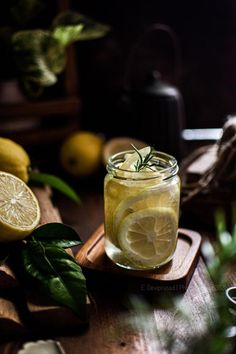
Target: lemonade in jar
(141,196)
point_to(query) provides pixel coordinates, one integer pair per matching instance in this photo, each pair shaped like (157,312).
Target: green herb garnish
(144,161)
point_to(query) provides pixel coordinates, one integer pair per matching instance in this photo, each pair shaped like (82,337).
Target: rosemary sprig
(144,161)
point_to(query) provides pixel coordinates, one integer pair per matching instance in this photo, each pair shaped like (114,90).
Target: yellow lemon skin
(81,153)
(14,159)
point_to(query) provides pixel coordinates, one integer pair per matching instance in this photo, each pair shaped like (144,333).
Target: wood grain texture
(49,317)
(10,322)
(24,312)
(48,212)
(179,270)
(70,105)
(7,278)
(117,323)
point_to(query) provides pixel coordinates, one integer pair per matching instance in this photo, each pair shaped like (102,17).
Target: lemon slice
(164,195)
(129,163)
(119,144)
(148,236)
(19,208)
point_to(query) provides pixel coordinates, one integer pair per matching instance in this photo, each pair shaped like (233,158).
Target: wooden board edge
(189,263)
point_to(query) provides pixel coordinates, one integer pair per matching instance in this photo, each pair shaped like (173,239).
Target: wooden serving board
(24,313)
(179,271)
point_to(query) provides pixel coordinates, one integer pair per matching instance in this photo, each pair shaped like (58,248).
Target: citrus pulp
(19,208)
(146,236)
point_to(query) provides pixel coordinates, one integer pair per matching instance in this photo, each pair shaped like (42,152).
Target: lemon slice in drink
(167,195)
(130,162)
(19,209)
(148,236)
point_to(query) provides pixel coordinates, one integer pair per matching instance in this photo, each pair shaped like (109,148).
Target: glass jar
(141,212)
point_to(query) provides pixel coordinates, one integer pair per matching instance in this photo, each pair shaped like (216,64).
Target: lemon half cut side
(148,236)
(19,208)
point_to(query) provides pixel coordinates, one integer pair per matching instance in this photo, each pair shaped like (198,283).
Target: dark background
(206,77)
(206,32)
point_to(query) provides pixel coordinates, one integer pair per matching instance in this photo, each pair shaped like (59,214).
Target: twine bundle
(223,170)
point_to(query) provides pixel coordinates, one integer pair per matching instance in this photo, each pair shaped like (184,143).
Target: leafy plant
(217,338)
(39,53)
(41,260)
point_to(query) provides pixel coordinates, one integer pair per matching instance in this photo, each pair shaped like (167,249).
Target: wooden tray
(178,272)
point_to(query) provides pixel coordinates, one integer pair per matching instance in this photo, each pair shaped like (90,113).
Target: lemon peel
(14,159)
(81,153)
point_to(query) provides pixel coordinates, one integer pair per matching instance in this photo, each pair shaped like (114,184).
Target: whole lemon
(81,153)
(14,159)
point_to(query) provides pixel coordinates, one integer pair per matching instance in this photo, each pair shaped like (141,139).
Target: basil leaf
(58,274)
(56,183)
(57,234)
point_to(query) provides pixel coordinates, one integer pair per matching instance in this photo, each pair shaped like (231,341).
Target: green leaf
(58,274)
(38,57)
(225,238)
(234,222)
(66,35)
(30,53)
(56,183)
(57,234)
(55,55)
(220,221)
(90,29)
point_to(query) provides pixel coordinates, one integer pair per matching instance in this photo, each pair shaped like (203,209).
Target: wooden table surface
(123,320)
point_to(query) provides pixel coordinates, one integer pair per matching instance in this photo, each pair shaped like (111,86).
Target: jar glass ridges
(141,212)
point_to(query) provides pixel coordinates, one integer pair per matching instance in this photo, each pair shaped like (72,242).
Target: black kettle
(153,111)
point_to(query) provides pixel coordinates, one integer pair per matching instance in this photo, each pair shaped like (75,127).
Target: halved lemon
(19,209)
(148,236)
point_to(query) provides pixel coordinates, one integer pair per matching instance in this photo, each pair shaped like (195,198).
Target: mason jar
(141,212)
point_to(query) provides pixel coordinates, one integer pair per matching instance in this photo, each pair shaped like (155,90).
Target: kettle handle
(175,44)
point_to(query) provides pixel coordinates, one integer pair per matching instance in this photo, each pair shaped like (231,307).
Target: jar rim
(169,170)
